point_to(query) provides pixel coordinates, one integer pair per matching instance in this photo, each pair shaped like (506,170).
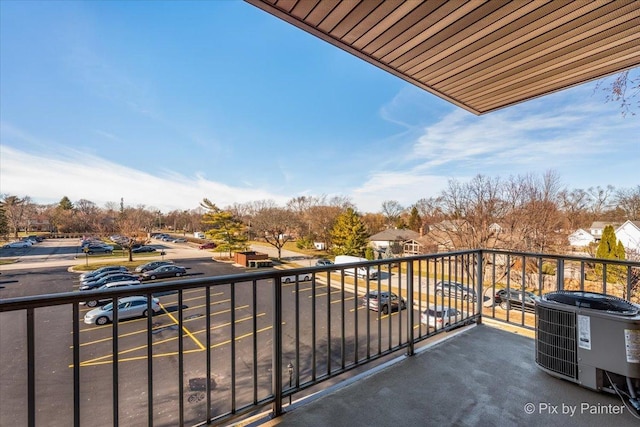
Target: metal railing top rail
(44,300)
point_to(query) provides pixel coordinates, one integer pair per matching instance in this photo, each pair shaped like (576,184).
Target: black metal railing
(224,347)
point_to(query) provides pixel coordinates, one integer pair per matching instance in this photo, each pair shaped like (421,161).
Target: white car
(19,244)
(441,316)
(127,308)
(301,278)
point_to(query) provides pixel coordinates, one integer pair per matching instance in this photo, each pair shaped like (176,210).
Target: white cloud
(79,175)
(404,187)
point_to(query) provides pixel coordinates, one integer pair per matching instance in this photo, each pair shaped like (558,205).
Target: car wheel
(438,292)
(287,280)
(178,274)
(145,313)
(90,252)
(505,305)
(152,277)
(102,320)
(385,309)
(108,252)
(307,278)
(91,303)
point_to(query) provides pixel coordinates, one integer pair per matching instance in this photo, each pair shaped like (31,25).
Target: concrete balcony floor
(481,376)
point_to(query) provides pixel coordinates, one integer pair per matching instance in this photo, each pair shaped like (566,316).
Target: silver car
(127,308)
(441,317)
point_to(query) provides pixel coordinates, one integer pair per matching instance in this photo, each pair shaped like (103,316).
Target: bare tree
(622,88)
(628,199)
(275,225)
(133,224)
(15,211)
(471,210)
(575,205)
(600,199)
(392,210)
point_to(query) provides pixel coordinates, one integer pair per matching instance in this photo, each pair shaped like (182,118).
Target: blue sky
(166,103)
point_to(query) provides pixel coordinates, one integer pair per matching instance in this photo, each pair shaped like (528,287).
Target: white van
(360,271)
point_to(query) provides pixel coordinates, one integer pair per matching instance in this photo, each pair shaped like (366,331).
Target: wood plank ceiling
(479,55)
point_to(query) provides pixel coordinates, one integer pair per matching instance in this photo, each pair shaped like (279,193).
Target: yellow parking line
(338,300)
(101,361)
(96,327)
(324,294)
(184,328)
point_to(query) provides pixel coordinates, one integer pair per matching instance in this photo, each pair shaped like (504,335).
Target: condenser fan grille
(556,341)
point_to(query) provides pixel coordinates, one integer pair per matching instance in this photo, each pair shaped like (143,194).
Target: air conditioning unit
(591,339)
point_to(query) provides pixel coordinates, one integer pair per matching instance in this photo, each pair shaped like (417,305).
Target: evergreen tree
(415,221)
(227,230)
(65,204)
(608,244)
(349,235)
(4,226)
(610,248)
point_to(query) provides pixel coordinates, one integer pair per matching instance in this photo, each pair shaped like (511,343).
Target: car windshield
(108,307)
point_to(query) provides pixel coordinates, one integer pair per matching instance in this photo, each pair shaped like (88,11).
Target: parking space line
(184,328)
(324,294)
(95,327)
(101,360)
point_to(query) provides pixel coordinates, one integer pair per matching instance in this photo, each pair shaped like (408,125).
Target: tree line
(525,212)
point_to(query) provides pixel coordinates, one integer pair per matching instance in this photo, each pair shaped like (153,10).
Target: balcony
(249,347)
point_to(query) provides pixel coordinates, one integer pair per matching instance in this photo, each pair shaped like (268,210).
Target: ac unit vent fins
(556,341)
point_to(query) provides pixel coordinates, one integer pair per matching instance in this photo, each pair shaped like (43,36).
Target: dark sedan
(85,286)
(512,298)
(141,249)
(151,265)
(164,272)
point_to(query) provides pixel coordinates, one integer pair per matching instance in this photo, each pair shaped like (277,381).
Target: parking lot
(242,311)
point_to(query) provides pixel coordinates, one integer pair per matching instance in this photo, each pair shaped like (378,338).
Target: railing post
(560,274)
(410,316)
(479,279)
(276,364)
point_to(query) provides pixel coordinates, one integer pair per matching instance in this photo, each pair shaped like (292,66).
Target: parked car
(94,273)
(151,265)
(127,308)
(301,278)
(323,261)
(441,316)
(19,244)
(112,285)
(35,239)
(513,299)
(455,290)
(163,272)
(98,276)
(167,238)
(385,301)
(96,249)
(144,248)
(208,245)
(179,240)
(119,277)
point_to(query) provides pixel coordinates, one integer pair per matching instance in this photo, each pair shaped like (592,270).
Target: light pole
(290,368)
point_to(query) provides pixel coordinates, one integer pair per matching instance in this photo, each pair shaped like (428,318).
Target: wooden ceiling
(479,55)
